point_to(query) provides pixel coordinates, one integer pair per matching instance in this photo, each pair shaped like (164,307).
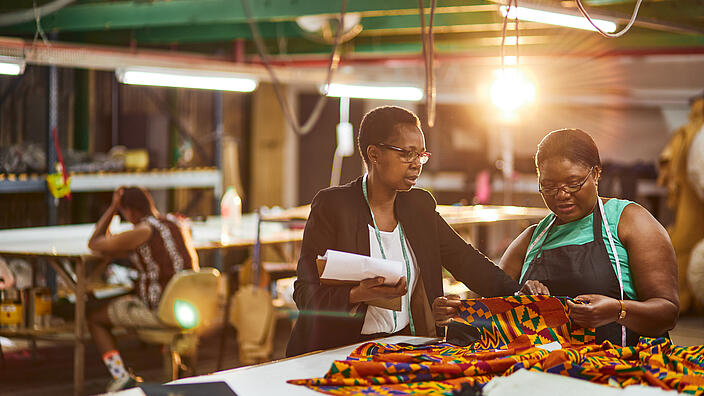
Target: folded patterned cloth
(511,329)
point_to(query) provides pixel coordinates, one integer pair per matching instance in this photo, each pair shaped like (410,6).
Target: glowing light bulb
(510,91)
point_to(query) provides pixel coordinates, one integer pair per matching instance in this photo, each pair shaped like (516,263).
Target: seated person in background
(610,253)
(381,215)
(158,247)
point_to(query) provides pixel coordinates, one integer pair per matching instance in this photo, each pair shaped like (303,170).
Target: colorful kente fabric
(542,319)
(441,369)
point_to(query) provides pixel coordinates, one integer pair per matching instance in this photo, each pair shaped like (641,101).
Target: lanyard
(383,255)
(618,264)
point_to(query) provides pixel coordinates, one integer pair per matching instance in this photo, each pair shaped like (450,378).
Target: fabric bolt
(513,330)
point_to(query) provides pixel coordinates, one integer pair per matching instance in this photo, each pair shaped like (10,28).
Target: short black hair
(380,123)
(137,199)
(572,144)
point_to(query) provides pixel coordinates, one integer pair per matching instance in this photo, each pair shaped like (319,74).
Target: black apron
(581,269)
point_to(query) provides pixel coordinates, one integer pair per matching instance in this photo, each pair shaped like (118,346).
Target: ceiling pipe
(304,69)
(111,58)
(306,61)
(16,17)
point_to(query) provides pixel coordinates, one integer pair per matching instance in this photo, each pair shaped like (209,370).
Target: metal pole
(507,157)
(219,131)
(217,159)
(114,125)
(339,154)
(53,95)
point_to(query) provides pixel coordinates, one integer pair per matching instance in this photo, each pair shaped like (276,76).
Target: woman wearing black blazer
(401,225)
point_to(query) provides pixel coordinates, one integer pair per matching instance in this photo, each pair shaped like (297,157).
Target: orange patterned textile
(517,326)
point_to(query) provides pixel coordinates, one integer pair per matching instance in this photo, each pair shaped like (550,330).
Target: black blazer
(339,220)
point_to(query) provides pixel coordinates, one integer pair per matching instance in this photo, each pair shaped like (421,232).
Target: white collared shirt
(380,320)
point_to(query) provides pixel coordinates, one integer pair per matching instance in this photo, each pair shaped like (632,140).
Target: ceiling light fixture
(374,92)
(185,79)
(11,66)
(510,91)
(557,18)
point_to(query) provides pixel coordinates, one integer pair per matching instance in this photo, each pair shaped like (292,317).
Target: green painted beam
(574,42)
(134,15)
(607,2)
(413,21)
(215,32)
(372,25)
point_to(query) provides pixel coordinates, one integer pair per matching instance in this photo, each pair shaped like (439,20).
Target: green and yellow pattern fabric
(528,320)
(512,328)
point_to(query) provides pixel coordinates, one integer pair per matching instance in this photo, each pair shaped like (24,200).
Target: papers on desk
(342,268)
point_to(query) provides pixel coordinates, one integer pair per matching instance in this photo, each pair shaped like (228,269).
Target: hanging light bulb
(511,91)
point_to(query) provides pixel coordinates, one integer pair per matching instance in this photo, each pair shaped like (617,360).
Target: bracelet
(622,314)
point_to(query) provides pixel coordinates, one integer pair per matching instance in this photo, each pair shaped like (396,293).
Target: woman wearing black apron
(610,253)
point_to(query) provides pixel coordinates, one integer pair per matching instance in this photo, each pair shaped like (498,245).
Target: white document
(355,267)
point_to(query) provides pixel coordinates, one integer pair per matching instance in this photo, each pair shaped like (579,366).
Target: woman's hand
(116,198)
(533,287)
(374,288)
(597,311)
(445,308)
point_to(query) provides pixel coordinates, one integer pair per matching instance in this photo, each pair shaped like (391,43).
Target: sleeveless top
(167,251)
(579,232)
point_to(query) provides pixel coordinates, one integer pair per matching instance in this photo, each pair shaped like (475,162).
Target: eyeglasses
(408,156)
(567,188)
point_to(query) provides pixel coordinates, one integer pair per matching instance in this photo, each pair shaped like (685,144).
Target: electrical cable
(515,3)
(503,35)
(332,66)
(37,21)
(428,44)
(17,17)
(607,34)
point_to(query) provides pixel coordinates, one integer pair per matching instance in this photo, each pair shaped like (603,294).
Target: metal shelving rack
(109,181)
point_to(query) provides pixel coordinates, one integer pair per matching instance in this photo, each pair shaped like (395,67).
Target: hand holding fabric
(373,288)
(534,287)
(596,311)
(444,308)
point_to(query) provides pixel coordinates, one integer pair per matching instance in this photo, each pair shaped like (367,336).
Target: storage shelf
(13,185)
(109,181)
(56,333)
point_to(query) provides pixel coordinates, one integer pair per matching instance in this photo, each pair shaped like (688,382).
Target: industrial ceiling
(466,28)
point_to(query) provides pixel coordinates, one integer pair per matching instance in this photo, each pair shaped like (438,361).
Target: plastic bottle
(231,215)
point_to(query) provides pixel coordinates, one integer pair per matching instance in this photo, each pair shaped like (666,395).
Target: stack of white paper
(354,267)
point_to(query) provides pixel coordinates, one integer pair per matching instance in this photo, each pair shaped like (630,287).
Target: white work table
(270,378)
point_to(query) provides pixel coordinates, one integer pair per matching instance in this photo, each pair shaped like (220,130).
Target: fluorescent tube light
(11,66)
(185,79)
(374,92)
(556,18)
